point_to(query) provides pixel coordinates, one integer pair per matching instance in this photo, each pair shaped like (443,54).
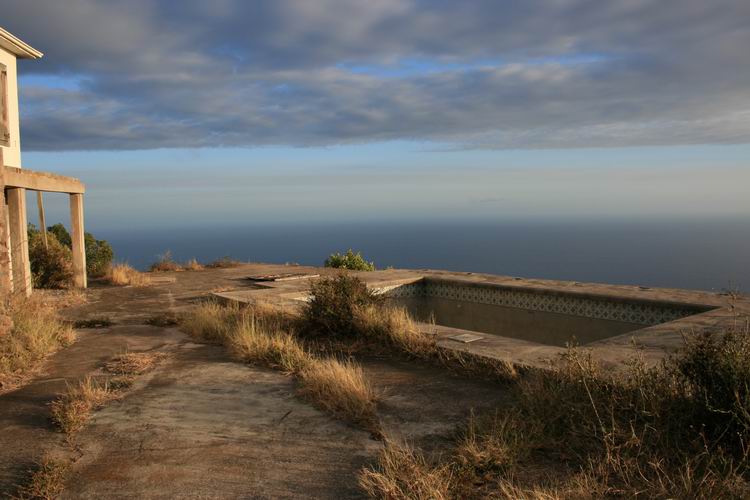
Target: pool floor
(542,327)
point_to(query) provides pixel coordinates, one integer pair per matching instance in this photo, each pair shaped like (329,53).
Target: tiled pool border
(639,312)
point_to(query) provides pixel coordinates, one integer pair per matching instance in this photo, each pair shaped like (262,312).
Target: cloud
(477,73)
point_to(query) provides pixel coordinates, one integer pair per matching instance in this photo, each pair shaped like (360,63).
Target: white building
(15,271)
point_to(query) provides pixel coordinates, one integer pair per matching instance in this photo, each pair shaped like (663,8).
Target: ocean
(710,254)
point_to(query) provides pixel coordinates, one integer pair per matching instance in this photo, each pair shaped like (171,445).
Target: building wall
(12,153)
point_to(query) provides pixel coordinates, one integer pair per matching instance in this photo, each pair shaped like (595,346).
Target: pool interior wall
(540,316)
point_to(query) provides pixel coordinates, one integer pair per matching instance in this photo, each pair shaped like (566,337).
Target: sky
(299,110)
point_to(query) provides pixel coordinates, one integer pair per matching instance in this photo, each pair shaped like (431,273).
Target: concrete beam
(77,236)
(19,241)
(42,181)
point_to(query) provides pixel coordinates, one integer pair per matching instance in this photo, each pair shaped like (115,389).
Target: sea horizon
(705,254)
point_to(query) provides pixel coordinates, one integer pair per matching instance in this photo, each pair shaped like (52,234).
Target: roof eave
(21,49)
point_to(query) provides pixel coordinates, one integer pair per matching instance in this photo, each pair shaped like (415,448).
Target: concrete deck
(204,426)
(653,343)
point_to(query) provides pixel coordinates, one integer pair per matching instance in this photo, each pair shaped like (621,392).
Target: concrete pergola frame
(15,266)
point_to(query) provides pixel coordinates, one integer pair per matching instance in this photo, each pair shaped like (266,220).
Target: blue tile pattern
(642,313)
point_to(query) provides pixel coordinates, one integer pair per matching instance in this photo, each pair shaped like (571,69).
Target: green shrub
(333,304)
(715,371)
(349,260)
(62,234)
(51,266)
(99,253)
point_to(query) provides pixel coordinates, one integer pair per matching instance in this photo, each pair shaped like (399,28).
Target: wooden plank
(42,181)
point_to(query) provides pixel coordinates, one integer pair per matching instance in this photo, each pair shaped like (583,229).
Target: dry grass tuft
(71,411)
(259,334)
(253,341)
(211,321)
(394,327)
(123,275)
(134,363)
(46,480)
(165,263)
(192,265)
(30,331)
(492,444)
(403,473)
(340,388)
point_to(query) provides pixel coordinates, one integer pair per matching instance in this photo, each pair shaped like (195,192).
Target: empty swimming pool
(531,314)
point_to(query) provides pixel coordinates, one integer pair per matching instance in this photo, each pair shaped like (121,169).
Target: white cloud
(553,73)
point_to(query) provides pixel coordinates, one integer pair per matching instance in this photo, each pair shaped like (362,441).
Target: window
(4,123)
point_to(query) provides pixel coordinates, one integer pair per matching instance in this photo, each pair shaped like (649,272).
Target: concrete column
(79,245)
(5,279)
(19,241)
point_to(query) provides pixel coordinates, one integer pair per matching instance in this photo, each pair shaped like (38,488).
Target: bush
(62,234)
(99,253)
(349,260)
(51,266)
(333,304)
(715,371)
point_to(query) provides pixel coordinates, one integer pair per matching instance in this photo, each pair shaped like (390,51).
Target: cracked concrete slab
(201,426)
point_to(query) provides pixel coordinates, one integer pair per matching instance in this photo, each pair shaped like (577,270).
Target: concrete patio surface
(204,426)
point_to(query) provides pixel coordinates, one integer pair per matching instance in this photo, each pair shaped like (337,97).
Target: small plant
(333,304)
(51,264)
(343,306)
(71,411)
(403,473)
(165,263)
(192,265)
(349,260)
(46,480)
(123,275)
